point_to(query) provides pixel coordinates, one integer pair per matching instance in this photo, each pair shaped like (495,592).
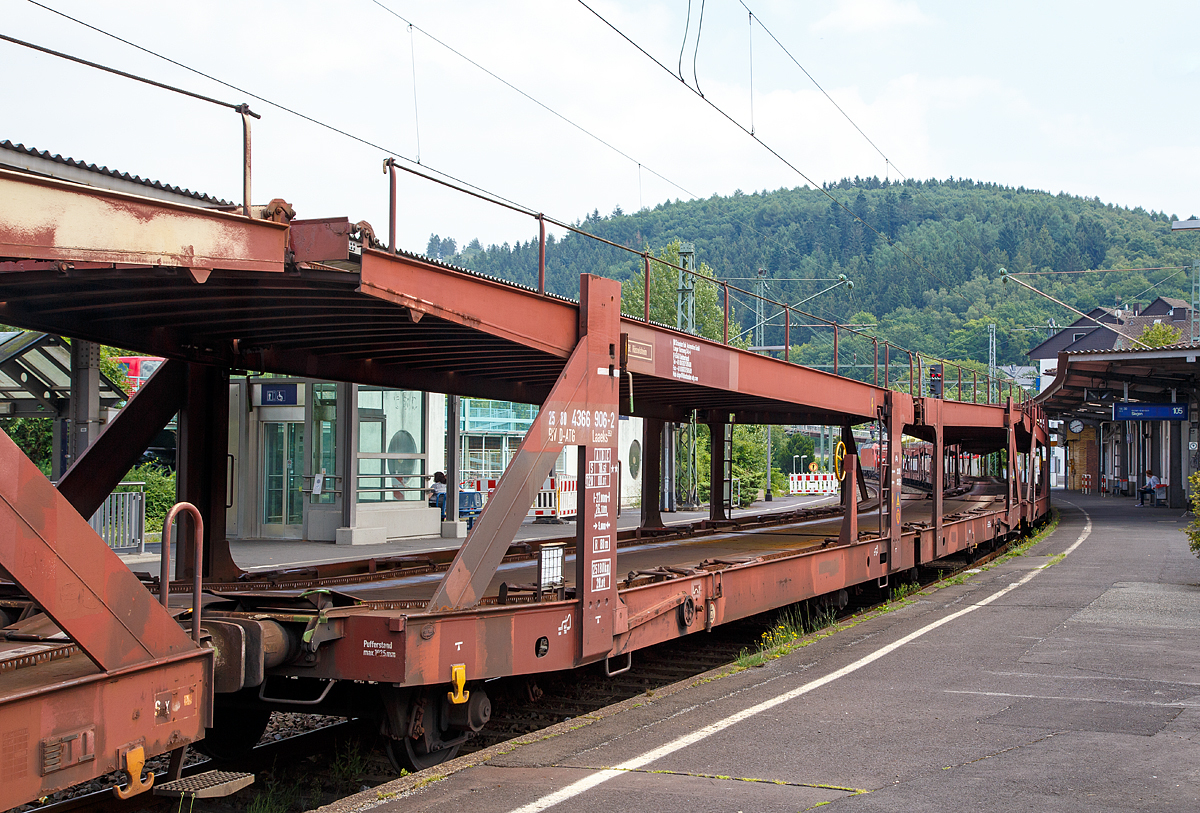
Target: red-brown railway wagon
(413,641)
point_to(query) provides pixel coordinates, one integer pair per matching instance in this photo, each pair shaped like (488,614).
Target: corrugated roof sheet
(113,173)
(1100,352)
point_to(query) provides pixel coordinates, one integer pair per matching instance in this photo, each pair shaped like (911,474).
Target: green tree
(664,288)
(1160,334)
(33,436)
(159,489)
(749,461)
(786,446)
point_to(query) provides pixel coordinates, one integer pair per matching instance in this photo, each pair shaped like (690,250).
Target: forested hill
(940,300)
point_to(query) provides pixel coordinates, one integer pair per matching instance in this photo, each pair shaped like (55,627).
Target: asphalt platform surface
(1047,682)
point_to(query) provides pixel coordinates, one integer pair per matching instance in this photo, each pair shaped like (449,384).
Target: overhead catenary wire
(687,23)
(1022,283)
(887,161)
(778,155)
(750,40)
(412,50)
(530,97)
(1096,270)
(770,238)
(754,17)
(1160,282)
(696,51)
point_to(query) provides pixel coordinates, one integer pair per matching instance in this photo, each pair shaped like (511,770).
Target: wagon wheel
(839,457)
(424,746)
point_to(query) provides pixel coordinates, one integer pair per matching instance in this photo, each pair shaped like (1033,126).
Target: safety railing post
(787,333)
(541,254)
(835,348)
(389,167)
(646,297)
(246,114)
(875,347)
(725,332)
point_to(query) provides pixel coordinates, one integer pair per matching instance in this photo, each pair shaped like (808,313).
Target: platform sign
(286,393)
(1128,411)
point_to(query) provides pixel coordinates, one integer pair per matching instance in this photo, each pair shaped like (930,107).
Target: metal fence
(121,520)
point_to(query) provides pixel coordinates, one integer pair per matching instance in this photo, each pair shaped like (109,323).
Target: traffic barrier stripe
(558,497)
(820,483)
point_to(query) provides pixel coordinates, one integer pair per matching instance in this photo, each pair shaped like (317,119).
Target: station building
(1124,409)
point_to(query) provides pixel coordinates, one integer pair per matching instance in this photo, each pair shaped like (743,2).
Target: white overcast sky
(1090,98)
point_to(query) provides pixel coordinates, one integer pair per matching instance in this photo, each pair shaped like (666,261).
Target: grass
(794,627)
(276,796)
(348,764)
(903,591)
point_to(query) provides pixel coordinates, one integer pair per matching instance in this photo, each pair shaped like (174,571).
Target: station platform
(1063,679)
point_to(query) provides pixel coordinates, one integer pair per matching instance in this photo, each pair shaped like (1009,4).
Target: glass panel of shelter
(391,445)
(324,443)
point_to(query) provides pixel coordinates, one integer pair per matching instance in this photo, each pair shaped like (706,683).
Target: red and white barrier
(819,483)
(557,498)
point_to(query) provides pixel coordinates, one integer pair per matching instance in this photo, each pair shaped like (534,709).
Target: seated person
(437,497)
(1150,487)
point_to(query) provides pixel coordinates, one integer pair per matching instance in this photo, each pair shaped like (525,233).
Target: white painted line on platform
(1177,705)
(1119,678)
(678,744)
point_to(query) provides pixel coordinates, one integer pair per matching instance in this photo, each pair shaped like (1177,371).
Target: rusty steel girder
(46,219)
(581,410)
(80,583)
(490,306)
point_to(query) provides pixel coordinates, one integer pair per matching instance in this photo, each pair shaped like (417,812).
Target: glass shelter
(322,461)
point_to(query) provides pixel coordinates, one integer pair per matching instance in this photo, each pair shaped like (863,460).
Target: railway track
(306,770)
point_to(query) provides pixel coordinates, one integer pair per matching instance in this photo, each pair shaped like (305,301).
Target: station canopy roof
(35,376)
(1087,383)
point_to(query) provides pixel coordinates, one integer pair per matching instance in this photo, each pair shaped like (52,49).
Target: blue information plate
(279,394)
(1125,411)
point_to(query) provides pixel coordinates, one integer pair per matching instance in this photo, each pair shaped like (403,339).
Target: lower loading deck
(645,560)
(377,629)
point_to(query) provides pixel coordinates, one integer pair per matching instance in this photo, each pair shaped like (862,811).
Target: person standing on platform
(1150,487)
